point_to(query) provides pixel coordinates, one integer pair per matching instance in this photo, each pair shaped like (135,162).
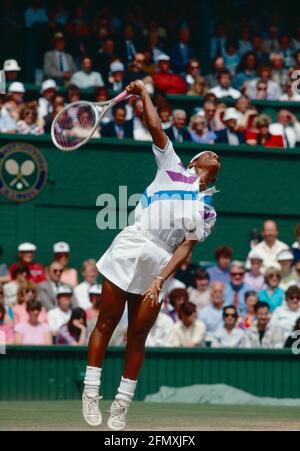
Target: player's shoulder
(169,146)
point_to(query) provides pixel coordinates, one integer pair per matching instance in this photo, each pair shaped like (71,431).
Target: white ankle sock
(126,390)
(92,380)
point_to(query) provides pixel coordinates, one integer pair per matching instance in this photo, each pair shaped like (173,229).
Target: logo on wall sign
(23,172)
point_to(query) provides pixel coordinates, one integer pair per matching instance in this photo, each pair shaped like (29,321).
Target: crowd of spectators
(106,53)
(252,304)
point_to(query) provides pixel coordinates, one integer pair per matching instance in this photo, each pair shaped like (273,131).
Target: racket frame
(108,105)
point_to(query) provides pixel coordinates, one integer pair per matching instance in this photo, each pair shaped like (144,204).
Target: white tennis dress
(170,211)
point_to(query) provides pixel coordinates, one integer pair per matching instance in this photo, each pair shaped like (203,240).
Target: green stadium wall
(53,373)
(255,184)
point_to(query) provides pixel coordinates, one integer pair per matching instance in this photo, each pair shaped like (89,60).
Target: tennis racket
(76,124)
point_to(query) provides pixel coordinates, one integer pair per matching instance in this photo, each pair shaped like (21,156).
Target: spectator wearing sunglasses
(28,123)
(27,293)
(260,134)
(47,291)
(229,336)
(61,252)
(287,314)
(263,334)
(272,295)
(236,289)
(199,131)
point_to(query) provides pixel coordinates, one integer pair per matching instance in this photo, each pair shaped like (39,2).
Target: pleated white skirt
(134,259)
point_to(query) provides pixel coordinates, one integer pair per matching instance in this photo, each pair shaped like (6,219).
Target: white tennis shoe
(118,412)
(90,409)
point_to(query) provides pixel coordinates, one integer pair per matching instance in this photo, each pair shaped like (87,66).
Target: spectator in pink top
(95,298)
(33,331)
(27,293)
(62,254)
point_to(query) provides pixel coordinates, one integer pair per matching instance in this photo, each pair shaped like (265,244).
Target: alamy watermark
(164,210)
(296,345)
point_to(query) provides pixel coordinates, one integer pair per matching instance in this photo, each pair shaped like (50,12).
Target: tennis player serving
(174,214)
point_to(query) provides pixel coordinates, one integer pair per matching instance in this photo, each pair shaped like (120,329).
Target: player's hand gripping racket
(76,124)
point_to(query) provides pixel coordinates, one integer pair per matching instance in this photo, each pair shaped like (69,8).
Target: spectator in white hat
(86,77)
(90,275)
(95,299)
(224,88)
(11,69)
(61,315)
(254,277)
(47,291)
(61,252)
(167,82)
(116,80)
(288,274)
(48,91)
(230,134)
(26,253)
(15,100)
(287,314)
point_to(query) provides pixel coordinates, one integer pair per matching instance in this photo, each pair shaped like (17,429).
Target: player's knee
(138,335)
(106,326)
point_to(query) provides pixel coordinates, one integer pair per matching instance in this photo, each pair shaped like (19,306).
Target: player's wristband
(161,278)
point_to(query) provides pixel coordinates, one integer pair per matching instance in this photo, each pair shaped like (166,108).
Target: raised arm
(152,120)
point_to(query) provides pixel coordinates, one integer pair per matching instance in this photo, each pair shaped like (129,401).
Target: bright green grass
(66,416)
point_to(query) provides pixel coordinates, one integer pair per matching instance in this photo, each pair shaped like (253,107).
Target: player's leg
(141,319)
(112,306)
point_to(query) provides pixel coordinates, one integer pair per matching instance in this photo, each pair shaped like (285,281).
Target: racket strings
(74,125)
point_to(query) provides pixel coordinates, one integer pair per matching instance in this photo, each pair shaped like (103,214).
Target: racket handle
(123,96)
